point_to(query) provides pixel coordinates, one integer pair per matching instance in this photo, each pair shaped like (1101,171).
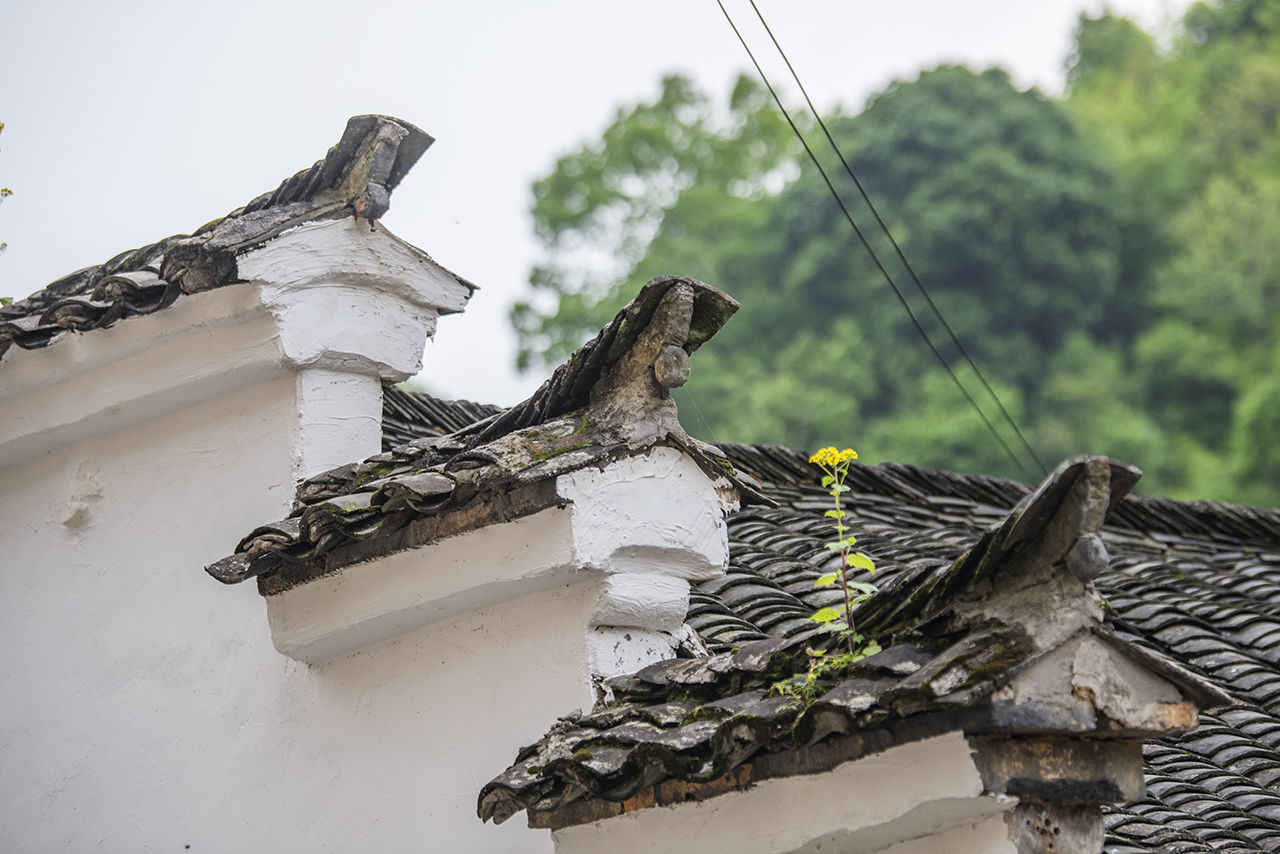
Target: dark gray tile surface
(1197,582)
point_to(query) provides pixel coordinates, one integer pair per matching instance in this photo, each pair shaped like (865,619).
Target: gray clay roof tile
(1193,592)
(1196,584)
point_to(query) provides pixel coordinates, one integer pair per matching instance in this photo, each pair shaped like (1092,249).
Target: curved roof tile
(1197,582)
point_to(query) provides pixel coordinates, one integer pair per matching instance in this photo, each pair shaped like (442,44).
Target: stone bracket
(1054,769)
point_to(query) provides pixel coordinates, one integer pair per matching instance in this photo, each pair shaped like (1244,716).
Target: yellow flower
(823,457)
(831,458)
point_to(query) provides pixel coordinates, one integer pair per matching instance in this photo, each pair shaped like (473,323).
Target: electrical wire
(870,251)
(896,248)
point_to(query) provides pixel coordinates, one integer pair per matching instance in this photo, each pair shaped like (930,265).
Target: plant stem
(844,556)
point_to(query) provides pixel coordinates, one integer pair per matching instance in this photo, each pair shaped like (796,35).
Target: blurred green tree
(1109,257)
(1007,219)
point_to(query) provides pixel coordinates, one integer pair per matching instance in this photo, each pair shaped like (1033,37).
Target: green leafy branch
(805,688)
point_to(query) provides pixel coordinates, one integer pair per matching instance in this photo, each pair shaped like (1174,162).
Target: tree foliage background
(1110,258)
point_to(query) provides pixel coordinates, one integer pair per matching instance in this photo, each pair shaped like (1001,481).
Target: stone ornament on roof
(610,400)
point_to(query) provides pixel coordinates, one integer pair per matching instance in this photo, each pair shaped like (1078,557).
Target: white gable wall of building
(149,710)
(146,706)
(155,710)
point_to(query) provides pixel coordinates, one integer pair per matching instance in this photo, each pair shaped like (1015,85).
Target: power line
(870,251)
(896,248)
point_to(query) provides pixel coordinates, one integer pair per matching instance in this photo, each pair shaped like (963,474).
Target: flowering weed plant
(804,689)
(839,618)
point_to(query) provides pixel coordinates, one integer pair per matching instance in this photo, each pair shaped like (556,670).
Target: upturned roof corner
(1009,639)
(624,373)
(608,401)
(354,179)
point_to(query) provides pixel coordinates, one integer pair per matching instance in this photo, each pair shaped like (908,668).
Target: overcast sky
(129,121)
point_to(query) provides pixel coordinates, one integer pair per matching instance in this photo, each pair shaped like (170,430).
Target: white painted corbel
(351,296)
(653,523)
(657,513)
(640,528)
(354,306)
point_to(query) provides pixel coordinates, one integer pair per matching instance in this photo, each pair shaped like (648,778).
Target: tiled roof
(356,177)
(608,401)
(408,415)
(1197,582)
(1193,582)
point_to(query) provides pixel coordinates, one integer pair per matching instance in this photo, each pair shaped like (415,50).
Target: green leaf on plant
(827,580)
(862,587)
(827,480)
(827,615)
(835,514)
(858,560)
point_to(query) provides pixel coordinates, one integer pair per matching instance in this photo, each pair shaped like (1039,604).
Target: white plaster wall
(929,788)
(339,419)
(985,837)
(145,708)
(87,385)
(657,513)
(371,602)
(387,749)
(117,656)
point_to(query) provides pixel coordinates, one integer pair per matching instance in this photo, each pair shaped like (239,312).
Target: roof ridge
(1149,514)
(356,176)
